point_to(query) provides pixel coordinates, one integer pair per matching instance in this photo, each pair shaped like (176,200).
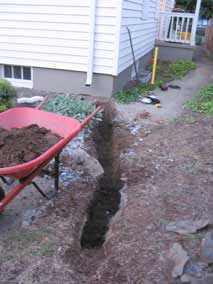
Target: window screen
(26,73)
(7,71)
(17,72)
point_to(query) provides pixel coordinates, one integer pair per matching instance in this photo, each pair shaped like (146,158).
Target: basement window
(19,76)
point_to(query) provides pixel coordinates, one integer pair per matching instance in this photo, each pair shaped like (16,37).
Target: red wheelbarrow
(65,127)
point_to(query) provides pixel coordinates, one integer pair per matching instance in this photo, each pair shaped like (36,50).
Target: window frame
(18,82)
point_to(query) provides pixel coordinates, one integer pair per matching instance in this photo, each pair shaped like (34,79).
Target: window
(19,76)
(145,9)
(7,71)
(17,72)
(27,73)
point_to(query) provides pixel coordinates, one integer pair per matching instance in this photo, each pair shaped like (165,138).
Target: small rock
(208,279)
(88,163)
(207,248)
(164,87)
(187,226)
(195,269)
(190,279)
(144,115)
(180,257)
(29,216)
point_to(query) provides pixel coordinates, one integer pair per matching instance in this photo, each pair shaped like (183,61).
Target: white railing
(177,27)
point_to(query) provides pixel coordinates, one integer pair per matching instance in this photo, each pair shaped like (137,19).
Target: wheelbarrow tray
(65,127)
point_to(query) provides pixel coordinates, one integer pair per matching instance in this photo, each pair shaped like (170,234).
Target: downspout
(194,27)
(91,43)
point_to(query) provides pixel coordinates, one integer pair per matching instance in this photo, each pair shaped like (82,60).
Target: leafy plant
(203,102)
(72,107)
(7,94)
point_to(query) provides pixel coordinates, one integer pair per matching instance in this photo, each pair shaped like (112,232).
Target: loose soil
(21,145)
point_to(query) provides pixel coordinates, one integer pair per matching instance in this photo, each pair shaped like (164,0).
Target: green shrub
(6,89)
(72,107)
(7,94)
(3,107)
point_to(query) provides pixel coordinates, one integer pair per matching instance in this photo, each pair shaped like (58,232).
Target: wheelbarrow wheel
(2,193)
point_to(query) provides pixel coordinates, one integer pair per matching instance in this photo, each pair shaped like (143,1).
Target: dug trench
(107,197)
(110,138)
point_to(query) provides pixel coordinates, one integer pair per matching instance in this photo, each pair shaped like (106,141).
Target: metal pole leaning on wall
(133,53)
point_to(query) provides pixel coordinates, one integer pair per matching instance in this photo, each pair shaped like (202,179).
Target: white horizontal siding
(54,34)
(168,5)
(143,30)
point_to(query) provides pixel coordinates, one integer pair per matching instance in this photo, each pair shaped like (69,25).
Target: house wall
(143,26)
(123,78)
(55,34)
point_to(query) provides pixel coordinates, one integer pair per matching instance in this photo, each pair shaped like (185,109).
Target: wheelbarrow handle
(42,103)
(89,117)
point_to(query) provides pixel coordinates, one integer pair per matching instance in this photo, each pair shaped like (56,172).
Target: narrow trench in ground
(107,197)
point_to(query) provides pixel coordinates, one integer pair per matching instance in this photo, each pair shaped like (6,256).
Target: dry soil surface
(167,169)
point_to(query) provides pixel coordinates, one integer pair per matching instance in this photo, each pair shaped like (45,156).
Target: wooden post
(195,21)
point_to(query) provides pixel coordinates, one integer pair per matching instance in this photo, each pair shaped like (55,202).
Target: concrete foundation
(62,81)
(73,82)
(174,51)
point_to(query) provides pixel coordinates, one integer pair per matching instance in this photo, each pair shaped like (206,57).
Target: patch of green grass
(72,107)
(173,121)
(134,94)
(180,69)
(127,96)
(203,102)
(168,71)
(189,120)
(165,72)
(44,249)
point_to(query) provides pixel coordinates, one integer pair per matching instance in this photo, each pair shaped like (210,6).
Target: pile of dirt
(18,146)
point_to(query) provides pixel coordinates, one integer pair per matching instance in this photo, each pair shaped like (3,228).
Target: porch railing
(177,27)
